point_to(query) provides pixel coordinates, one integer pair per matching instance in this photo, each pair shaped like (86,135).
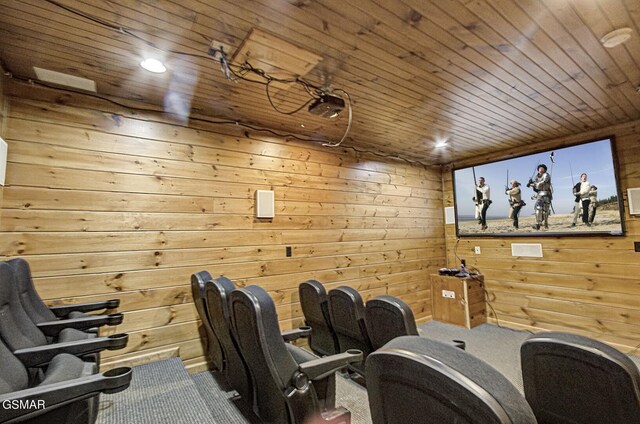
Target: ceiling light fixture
(441,143)
(615,38)
(153,65)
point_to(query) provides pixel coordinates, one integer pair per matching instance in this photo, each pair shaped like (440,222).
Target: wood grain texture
(586,285)
(105,202)
(487,75)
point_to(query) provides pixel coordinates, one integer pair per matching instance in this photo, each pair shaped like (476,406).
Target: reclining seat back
(217,294)
(413,379)
(270,364)
(574,379)
(16,328)
(388,317)
(214,351)
(14,377)
(348,319)
(315,307)
(31,301)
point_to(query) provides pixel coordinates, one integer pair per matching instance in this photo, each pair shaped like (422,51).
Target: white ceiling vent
(67,80)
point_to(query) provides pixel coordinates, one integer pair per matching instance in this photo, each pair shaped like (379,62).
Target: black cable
(209,121)
(455,250)
(227,67)
(124,30)
(281,111)
(245,67)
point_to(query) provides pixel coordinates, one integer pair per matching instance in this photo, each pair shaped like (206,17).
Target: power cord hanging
(344,136)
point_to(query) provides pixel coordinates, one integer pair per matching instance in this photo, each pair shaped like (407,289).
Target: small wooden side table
(458,301)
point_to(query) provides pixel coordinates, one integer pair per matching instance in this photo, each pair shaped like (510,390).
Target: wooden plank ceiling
(484,75)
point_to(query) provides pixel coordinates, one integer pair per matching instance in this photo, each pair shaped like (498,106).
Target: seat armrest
(37,356)
(43,399)
(295,334)
(320,368)
(52,328)
(63,310)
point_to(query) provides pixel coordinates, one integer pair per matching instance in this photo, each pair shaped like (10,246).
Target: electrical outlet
(288,251)
(449,294)
(477,250)
(636,246)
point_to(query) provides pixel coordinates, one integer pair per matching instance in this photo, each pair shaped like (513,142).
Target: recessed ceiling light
(615,38)
(153,65)
(441,143)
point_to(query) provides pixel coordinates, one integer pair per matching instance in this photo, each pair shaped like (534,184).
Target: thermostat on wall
(265,207)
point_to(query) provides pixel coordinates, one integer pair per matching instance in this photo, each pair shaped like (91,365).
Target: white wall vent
(531,250)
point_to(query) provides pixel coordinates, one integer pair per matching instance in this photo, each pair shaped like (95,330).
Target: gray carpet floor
(163,392)
(499,347)
(226,408)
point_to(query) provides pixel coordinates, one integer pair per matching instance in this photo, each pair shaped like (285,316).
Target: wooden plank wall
(589,285)
(105,203)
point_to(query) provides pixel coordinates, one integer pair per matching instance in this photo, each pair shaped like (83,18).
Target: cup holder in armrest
(117,379)
(118,341)
(355,355)
(305,330)
(115,319)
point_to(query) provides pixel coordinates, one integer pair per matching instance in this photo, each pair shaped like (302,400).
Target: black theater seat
(416,380)
(74,316)
(290,387)
(348,319)
(388,317)
(67,394)
(235,371)
(574,379)
(212,348)
(36,345)
(315,307)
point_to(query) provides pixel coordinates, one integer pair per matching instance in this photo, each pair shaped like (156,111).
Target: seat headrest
(313,286)
(464,374)
(587,345)
(347,293)
(225,284)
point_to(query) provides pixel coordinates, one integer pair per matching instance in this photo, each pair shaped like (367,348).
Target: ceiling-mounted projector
(327,105)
